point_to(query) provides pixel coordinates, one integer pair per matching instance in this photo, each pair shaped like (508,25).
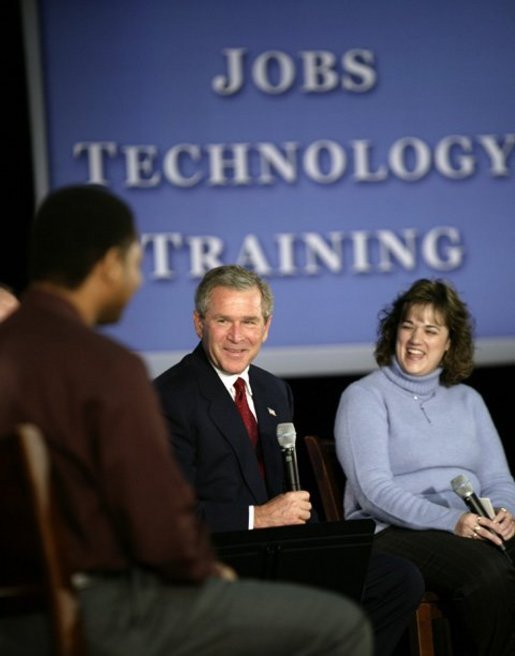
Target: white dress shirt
(228,380)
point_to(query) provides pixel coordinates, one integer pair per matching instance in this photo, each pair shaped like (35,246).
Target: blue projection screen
(340,149)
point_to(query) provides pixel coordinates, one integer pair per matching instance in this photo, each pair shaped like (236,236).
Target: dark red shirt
(123,498)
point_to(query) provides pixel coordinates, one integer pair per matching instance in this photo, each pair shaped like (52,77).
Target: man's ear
(267,328)
(111,265)
(198,323)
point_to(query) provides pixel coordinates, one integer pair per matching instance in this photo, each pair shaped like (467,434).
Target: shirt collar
(229,379)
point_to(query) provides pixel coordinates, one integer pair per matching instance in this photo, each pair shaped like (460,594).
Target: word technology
(324,162)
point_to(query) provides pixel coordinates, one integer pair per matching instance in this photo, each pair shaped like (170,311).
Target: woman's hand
(505,523)
(473,526)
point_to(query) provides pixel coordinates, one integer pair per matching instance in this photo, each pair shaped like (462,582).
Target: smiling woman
(429,308)
(422,340)
(403,433)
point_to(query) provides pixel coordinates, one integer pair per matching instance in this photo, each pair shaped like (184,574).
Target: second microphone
(286,436)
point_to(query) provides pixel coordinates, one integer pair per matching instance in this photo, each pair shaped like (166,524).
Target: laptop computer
(330,555)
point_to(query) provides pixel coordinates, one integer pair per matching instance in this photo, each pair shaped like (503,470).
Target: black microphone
(463,488)
(286,437)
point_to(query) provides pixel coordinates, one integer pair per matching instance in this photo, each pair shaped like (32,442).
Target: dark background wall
(17,162)
(316,398)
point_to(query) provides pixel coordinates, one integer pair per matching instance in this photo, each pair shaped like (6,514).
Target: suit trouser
(139,615)
(473,576)
(393,589)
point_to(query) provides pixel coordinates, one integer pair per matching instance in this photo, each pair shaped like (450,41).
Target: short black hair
(73,229)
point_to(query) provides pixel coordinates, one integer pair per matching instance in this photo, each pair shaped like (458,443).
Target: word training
(311,253)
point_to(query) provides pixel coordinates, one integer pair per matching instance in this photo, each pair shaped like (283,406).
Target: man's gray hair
(232,276)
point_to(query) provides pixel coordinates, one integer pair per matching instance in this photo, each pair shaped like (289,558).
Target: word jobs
(274,71)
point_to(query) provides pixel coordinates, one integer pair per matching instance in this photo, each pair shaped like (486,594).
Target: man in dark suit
(241,484)
(143,565)
(220,460)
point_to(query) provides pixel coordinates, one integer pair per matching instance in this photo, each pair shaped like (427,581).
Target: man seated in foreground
(149,583)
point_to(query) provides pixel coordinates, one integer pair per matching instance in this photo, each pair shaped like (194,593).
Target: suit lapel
(267,422)
(226,418)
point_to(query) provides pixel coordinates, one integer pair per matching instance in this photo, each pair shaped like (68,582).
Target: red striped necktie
(248,418)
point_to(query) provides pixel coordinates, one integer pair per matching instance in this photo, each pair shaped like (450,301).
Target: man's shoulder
(183,373)
(267,380)
(262,374)
(100,352)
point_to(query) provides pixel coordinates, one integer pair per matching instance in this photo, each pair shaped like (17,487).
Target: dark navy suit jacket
(211,443)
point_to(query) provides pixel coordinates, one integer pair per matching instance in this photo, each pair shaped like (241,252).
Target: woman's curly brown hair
(458,361)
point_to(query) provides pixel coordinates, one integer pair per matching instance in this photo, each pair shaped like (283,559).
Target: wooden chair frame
(32,576)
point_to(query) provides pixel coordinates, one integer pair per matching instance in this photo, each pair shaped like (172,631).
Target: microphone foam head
(286,435)
(461,485)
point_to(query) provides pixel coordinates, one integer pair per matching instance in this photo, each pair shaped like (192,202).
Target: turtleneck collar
(422,386)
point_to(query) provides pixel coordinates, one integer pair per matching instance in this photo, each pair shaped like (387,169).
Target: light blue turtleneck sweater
(401,439)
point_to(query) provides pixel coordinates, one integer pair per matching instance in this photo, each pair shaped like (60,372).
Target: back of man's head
(73,229)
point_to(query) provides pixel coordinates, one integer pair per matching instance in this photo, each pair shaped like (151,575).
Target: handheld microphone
(286,437)
(463,488)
